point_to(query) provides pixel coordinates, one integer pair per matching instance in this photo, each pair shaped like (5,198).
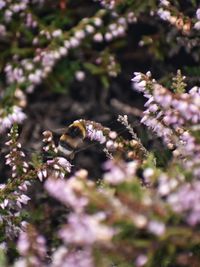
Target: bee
(72,138)
(75,134)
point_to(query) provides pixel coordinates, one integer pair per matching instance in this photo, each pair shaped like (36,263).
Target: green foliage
(3,261)
(178,84)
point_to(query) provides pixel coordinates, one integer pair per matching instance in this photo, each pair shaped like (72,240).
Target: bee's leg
(71,157)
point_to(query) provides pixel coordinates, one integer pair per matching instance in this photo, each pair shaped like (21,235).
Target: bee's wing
(59,130)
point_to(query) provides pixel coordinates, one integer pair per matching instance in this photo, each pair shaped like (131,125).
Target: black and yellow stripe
(72,138)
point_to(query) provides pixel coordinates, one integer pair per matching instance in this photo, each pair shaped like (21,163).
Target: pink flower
(66,192)
(156,228)
(83,229)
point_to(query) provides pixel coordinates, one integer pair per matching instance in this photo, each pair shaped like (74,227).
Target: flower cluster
(68,191)
(133,197)
(86,230)
(186,201)
(168,12)
(15,159)
(19,167)
(169,114)
(32,247)
(145,195)
(46,46)
(79,258)
(96,135)
(15,115)
(14,194)
(119,172)
(107,4)
(33,71)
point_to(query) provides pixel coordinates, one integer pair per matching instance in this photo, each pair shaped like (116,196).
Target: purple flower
(77,258)
(83,229)
(94,134)
(66,192)
(186,202)
(156,228)
(141,260)
(2,4)
(22,199)
(164,14)
(198,13)
(119,172)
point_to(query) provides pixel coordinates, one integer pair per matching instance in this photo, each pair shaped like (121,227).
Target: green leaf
(3,262)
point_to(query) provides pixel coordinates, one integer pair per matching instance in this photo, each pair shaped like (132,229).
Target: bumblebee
(72,138)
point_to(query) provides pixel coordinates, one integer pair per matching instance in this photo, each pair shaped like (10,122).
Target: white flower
(64,163)
(108,36)
(80,75)
(148,173)
(156,227)
(98,37)
(197,25)
(79,34)
(22,199)
(141,260)
(40,175)
(112,26)
(24,186)
(6,122)
(67,44)
(198,13)
(89,28)
(4,204)
(74,42)
(97,22)
(137,78)
(59,255)
(56,33)
(2,4)
(164,2)
(164,14)
(63,51)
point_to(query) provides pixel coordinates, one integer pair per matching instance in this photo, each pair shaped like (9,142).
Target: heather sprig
(170,115)
(136,210)
(168,11)
(124,208)
(124,121)
(115,144)
(84,228)
(178,84)
(44,46)
(14,193)
(129,215)
(15,159)
(31,247)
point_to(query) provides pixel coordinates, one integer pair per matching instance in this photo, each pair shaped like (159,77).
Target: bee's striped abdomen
(72,138)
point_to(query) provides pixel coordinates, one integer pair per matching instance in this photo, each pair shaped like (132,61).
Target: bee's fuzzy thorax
(77,128)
